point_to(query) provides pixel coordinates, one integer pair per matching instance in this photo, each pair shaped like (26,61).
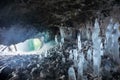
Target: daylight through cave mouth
(18,39)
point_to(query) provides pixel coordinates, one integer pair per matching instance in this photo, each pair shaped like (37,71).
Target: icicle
(71,73)
(79,42)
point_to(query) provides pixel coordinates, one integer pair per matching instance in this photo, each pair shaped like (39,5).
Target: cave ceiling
(55,12)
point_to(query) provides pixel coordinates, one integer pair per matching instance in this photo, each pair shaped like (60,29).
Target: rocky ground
(54,66)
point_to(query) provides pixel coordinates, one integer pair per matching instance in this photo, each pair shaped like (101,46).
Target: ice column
(71,73)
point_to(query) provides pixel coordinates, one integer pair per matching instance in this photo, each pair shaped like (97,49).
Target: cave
(59,40)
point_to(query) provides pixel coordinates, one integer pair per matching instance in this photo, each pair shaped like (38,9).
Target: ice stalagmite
(71,73)
(96,48)
(115,44)
(108,36)
(56,39)
(62,33)
(79,42)
(89,55)
(101,47)
(80,66)
(96,62)
(75,54)
(70,55)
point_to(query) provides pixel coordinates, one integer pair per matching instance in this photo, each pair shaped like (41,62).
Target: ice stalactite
(96,48)
(71,74)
